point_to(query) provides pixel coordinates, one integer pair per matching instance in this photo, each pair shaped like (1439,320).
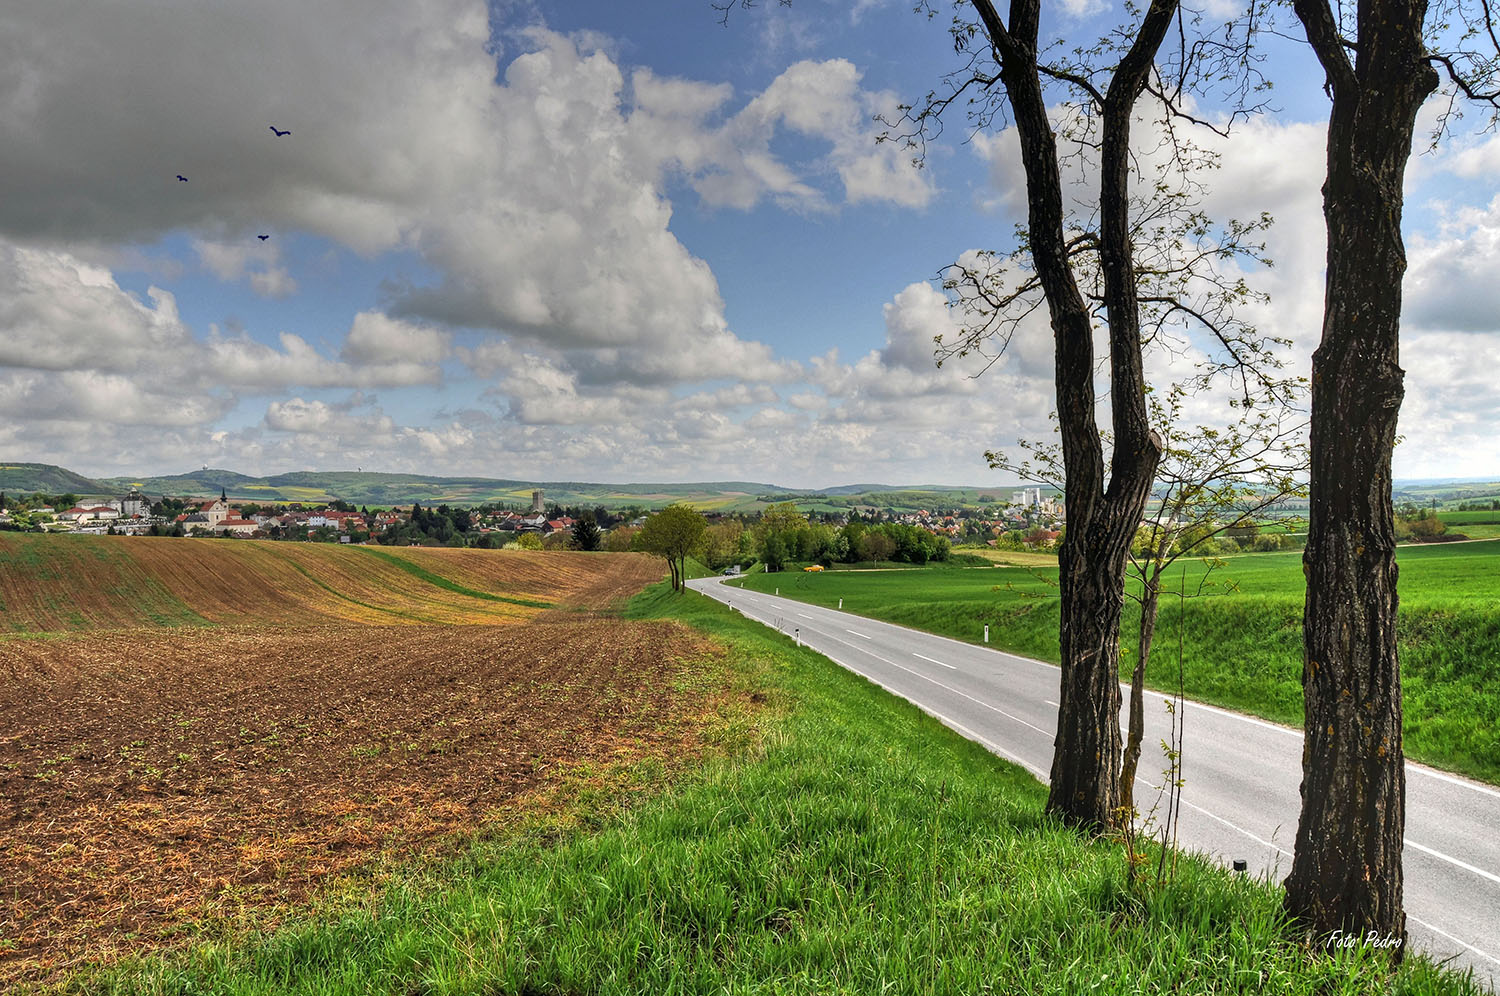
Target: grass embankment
(844,843)
(1242,643)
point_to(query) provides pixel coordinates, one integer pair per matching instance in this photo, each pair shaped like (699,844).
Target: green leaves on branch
(674,534)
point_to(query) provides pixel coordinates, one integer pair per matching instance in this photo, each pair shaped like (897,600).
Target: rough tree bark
(1150,600)
(1102,519)
(1346,872)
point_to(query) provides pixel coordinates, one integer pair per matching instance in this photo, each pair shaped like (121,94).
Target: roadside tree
(674,534)
(722,544)
(1381,60)
(773,552)
(877,545)
(620,538)
(1142,267)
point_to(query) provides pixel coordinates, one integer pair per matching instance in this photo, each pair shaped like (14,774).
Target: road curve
(1242,774)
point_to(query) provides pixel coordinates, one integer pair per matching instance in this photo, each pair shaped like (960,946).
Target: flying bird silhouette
(182,178)
(263,237)
(279,133)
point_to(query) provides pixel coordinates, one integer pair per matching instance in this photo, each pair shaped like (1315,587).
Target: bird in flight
(263,237)
(182,178)
(279,133)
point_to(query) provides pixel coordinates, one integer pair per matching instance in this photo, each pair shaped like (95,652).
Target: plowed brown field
(147,776)
(192,728)
(68,583)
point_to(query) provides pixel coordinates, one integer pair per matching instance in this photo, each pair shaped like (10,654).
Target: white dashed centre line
(860,635)
(937,662)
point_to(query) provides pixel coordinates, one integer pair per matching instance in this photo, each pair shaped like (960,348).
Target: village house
(236,526)
(214,510)
(93,513)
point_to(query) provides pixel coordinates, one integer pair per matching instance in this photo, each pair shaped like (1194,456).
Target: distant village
(1030,516)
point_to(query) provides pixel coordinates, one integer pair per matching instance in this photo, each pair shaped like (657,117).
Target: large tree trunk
(1346,873)
(1085,785)
(1150,601)
(1085,777)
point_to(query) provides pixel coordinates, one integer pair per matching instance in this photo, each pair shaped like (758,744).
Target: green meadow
(1241,638)
(834,840)
(1473,524)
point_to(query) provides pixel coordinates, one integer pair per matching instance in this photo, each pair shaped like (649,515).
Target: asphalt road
(1242,774)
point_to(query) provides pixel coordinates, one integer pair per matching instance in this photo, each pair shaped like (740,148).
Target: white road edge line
(952,724)
(978,738)
(979,702)
(937,662)
(1418,768)
(1453,861)
(1440,930)
(1461,782)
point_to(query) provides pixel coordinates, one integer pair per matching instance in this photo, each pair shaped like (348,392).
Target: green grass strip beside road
(1241,643)
(848,844)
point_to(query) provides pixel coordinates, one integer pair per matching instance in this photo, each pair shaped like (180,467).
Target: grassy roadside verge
(849,844)
(1242,648)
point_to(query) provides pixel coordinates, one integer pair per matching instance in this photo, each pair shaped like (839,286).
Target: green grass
(1242,645)
(841,842)
(694,568)
(1470,518)
(1474,525)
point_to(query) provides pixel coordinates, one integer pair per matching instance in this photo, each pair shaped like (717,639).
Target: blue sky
(592,241)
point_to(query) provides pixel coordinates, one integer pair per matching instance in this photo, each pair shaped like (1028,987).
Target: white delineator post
(986,632)
(841,603)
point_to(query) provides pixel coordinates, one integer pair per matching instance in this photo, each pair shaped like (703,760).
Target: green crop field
(1242,639)
(1474,525)
(1469,518)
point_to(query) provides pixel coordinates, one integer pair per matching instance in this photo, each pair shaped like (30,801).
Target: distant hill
(381,489)
(27,478)
(374,488)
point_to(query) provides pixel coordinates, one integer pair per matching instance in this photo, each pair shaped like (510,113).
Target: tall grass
(843,842)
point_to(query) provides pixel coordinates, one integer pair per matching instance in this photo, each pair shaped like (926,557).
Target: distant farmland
(52,584)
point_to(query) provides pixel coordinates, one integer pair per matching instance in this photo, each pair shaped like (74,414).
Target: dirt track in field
(148,776)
